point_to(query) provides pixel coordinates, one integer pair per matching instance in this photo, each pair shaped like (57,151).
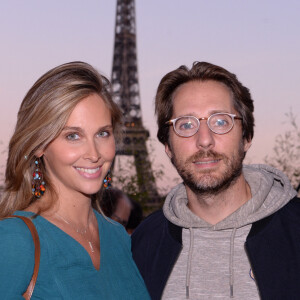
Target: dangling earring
(107,181)
(38,185)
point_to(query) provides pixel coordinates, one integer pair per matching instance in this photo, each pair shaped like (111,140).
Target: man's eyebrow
(219,111)
(211,112)
(187,114)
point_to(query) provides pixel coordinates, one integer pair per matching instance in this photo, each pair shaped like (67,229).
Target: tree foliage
(126,179)
(286,156)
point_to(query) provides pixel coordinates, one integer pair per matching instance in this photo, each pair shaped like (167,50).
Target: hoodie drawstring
(189,262)
(231,262)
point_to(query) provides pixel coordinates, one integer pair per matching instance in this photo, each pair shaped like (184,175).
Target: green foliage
(286,155)
(125,178)
(129,184)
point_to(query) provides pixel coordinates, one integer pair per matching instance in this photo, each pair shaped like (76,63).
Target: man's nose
(204,136)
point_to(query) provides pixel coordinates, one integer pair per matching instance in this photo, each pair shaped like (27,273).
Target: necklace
(82,232)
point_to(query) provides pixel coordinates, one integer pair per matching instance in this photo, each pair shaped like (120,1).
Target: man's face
(207,162)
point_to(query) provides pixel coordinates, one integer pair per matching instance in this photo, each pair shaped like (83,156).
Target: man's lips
(202,157)
(206,161)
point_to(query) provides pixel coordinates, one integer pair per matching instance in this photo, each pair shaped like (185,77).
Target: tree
(126,179)
(286,155)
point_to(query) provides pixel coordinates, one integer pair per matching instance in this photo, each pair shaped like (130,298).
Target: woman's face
(79,158)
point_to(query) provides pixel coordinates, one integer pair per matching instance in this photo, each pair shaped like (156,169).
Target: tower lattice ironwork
(126,94)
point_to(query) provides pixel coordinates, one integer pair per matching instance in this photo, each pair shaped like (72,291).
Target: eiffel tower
(126,94)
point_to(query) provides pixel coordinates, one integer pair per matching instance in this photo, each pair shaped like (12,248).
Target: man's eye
(186,126)
(73,136)
(221,123)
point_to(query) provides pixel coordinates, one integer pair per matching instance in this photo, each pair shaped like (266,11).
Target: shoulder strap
(37,253)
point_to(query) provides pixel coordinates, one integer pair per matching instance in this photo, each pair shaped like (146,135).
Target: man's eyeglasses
(219,123)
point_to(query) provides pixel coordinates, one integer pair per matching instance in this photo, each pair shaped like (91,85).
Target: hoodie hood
(270,189)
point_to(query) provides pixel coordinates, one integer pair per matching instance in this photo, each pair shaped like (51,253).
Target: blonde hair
(41,117)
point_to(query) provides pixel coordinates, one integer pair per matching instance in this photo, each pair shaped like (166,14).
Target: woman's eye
(73,136)
(104,134)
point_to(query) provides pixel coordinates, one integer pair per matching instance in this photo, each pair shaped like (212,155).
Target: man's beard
(204,181)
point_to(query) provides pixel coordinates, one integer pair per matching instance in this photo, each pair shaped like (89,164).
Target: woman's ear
(39,153)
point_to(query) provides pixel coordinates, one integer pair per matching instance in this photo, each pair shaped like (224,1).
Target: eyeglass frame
(233,117)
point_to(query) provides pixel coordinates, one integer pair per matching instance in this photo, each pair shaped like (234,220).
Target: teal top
(66,269)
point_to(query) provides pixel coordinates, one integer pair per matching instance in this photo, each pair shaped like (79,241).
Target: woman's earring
(107,181)
(38,185)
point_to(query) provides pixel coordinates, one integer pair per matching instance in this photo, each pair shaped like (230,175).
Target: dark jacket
(272,245)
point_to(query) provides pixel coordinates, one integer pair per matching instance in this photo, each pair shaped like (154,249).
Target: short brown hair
(41,118)
(201,71)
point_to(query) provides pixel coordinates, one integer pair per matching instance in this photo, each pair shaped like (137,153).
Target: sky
(258,40)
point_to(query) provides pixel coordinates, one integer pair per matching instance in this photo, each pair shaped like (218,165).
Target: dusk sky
(257,40)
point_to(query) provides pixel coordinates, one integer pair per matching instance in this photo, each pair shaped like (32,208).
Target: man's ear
(168,151)
(247,145)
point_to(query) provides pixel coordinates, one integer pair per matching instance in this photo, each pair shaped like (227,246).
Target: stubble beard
(209,182)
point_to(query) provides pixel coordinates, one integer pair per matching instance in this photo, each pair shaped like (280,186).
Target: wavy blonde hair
(41,118)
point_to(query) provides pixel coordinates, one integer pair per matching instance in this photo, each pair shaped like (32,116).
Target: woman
(59,155)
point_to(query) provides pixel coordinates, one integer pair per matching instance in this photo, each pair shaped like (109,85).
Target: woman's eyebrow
(106,127)
(75,128)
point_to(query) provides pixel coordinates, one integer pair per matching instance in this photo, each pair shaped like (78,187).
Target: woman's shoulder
(108,222)
(15,229)
(16,242)
(16,252)
(111,225)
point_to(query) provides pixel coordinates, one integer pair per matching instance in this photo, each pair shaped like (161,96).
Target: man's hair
(201,71)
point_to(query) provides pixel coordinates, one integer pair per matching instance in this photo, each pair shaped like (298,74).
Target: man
(228,231)
(116,205)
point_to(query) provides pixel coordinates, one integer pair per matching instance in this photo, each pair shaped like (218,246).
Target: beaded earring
(38,185)
(107,181)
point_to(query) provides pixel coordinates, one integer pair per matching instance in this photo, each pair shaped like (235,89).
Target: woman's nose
(92,152)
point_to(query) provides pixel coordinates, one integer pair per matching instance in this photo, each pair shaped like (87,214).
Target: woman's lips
(90,173)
